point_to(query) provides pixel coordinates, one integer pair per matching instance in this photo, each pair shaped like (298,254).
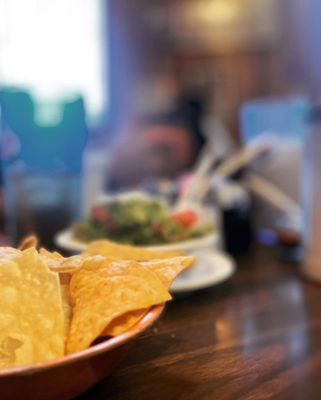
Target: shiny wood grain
(257,336)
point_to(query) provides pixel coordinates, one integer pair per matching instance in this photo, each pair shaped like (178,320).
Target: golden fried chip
(124,322)
(71,264)
(51,258)
(8,253)
(56,262)
(167,270)
(7,351)
(31,323)
(126,252)
(102,290)
(28,241)
(53,255)
(66,307)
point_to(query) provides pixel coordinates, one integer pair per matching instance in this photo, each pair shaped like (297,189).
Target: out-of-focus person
(150,151)
(167,143)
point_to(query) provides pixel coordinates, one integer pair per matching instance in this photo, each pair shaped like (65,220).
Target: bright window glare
(54,48)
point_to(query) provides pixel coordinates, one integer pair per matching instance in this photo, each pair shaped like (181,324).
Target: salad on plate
(141,220)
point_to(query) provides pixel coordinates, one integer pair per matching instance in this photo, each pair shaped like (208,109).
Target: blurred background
(103,96)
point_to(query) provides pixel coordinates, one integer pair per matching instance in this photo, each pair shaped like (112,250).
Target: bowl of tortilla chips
(66,322)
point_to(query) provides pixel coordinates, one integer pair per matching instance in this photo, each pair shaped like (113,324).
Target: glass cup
(40,203)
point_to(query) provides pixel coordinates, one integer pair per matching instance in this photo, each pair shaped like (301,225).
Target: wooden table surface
(257,336)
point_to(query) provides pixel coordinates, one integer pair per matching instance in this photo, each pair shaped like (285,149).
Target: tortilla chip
(71,264)
(124,322)
(66,307)
(28,241)
(102,290)
(127,252)
(8,253)
(31,323)
(57,263)
(7,351)
(166,270)
(51,258)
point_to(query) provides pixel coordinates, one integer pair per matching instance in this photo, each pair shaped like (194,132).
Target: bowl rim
(109,344)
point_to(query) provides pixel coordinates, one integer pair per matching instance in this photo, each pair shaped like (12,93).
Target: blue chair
(41,166)
(44,148)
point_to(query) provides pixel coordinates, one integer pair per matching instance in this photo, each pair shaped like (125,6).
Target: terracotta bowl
(73,374)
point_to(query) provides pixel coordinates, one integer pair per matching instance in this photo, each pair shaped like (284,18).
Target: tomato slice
(186,218)
(100,214)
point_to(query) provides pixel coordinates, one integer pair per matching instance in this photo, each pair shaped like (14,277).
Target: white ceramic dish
(66,241)
(211,268)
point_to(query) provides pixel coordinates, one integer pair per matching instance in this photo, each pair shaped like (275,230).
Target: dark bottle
(235,205)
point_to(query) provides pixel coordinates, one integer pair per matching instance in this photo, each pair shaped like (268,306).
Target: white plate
(211,268)
(65,240)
